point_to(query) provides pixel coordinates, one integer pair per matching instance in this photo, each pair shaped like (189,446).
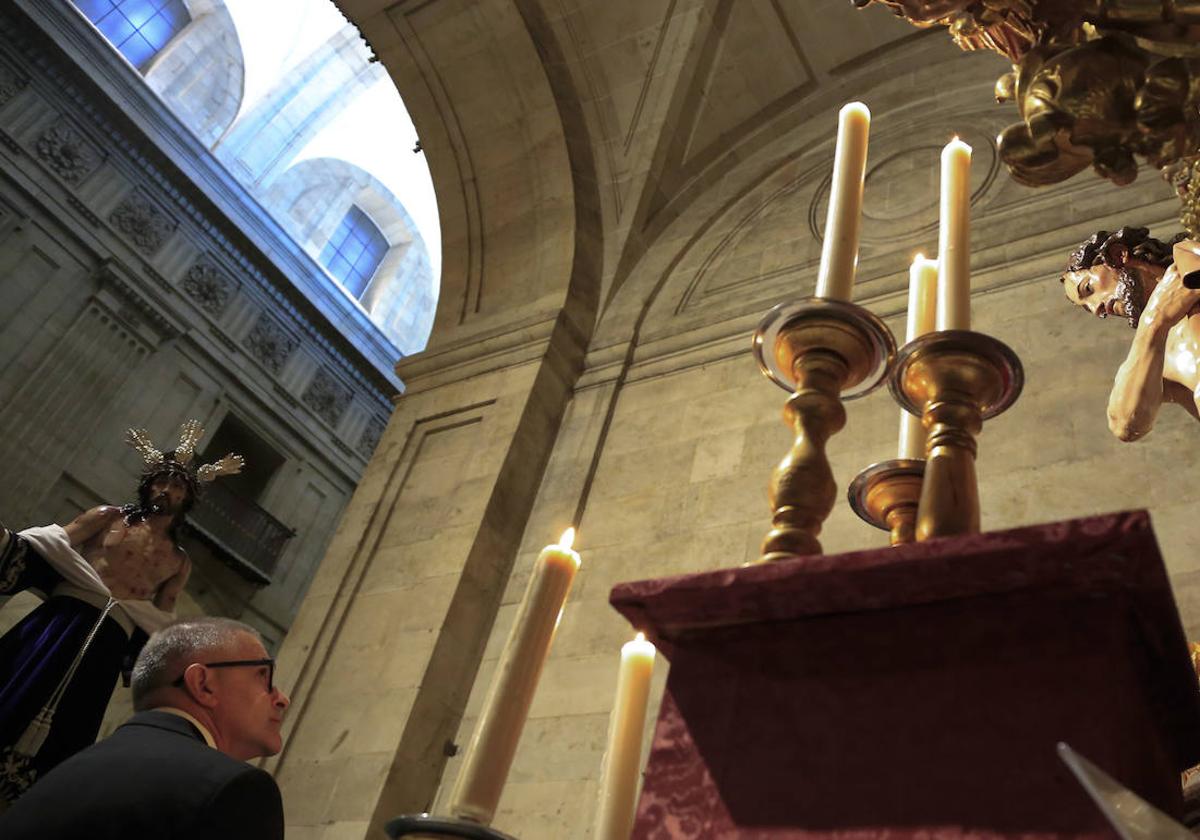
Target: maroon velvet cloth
(918,691)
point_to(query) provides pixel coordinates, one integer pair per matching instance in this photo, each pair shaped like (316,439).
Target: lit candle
(494,742)
(623,755)
(922,309)
(839,253)
(954,239)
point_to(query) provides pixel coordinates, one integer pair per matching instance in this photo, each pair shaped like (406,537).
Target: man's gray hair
(173,648)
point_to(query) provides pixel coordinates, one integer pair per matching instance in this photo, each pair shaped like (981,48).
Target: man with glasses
(206,702)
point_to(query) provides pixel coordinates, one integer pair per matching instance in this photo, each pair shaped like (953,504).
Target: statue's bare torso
(136,560)
(1182,362)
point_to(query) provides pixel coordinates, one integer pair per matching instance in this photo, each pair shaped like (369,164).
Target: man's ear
(198,683)
(1116,255)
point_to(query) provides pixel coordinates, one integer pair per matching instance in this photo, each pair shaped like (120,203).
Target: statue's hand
(1170,302)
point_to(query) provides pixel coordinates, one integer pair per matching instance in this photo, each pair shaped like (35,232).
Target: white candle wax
(623,756)
(922,309)
(494,742)
(839,252)
(954,239)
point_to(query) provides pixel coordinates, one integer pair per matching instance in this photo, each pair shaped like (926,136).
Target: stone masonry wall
(708,132)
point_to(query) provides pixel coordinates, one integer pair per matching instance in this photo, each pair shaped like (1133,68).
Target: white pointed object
(1133,817)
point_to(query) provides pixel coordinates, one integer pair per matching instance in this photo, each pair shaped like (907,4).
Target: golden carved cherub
(1100,83)
(1145,281)
(1077,105)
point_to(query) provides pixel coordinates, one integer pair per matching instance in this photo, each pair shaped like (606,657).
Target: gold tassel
(35,734)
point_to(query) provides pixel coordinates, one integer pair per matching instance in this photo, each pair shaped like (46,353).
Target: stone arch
(310,199)
(201,73)
(520,230)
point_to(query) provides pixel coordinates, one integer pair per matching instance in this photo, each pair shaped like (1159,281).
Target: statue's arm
(90,523)
(1187,256)
(1180,395)
(1137,392)
(168,593)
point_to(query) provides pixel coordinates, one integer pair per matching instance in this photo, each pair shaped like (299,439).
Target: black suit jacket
(152,778)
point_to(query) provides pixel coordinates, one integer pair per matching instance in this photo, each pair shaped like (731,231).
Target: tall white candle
(623,756)
(922,309)
(954,239)
(494,742)
(839,253)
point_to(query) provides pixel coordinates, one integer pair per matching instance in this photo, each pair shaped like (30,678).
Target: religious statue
(108,579)
(1152,285)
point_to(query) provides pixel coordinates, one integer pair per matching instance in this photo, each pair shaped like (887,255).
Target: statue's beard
(161,505)
(1133,298)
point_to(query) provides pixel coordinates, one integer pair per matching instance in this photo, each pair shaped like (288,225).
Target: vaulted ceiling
(672,156)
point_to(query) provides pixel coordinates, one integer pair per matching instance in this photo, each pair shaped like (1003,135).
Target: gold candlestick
(886,494)
(825,352)
(430,827)
(954,379)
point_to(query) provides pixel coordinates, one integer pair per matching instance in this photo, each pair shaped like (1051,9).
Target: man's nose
(281,699)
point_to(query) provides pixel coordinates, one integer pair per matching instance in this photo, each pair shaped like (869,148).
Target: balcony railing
(243,534)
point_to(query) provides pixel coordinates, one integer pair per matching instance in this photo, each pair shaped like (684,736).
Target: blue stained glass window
(138,50)
(93,8)
(138,28)
(355,251)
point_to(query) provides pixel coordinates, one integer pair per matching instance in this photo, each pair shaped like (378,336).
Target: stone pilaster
(397,618)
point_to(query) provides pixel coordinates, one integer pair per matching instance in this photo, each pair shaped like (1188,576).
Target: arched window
(354,251)
(138,28)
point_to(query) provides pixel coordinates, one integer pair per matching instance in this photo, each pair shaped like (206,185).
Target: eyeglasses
(238,663)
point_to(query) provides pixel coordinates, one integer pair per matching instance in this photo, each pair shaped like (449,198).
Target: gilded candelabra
(824,352)
(886,495)
(954,380)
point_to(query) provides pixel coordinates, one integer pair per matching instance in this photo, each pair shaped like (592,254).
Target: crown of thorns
(1137,240)
(189,435)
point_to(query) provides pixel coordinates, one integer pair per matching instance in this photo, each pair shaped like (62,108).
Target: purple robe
(36,654)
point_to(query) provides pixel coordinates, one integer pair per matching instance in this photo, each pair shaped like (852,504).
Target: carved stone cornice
(10,143)
(306,291)
(136,306)
(11,83)
(341,447)
(83,210)
(178,165)
(224,340)
(288,398)
(479,353)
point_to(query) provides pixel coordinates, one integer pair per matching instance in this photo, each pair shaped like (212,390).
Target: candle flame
(958,140)
(640,637)
(567,539)
(918,257)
